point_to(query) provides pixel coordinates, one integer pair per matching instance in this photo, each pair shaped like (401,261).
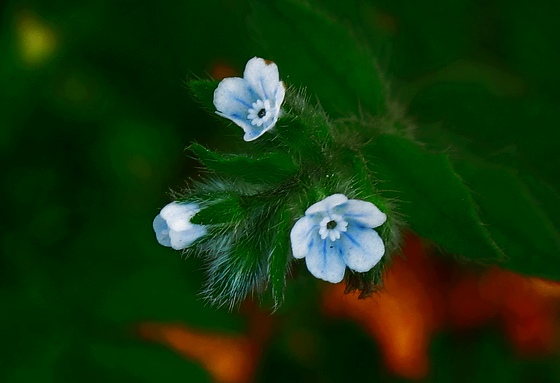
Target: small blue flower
(173,227)
(337,232)
(252,102)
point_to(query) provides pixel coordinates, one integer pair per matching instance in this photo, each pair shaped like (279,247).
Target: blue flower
(252,102)
(173,227)
(337,232)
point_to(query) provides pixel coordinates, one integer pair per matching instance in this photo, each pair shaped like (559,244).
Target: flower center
(332,227)
(260,112)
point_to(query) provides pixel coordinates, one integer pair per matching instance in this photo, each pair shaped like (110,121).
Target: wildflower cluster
(303,190)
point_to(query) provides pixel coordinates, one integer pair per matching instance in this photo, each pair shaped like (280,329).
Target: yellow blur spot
(36,41)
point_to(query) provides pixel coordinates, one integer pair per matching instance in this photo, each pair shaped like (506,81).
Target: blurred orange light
(222,70)
(401,318)
(229,359)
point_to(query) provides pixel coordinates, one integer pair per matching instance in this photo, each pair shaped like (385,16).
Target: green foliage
(434,201)
(92,134)
(203,90)
(266,169)
(239,260)
(279,256)
(516,219)
(323,54)
(223,209)
(141,363)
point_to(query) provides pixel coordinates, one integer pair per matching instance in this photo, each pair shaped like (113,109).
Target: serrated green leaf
(203,90)
(268,168)
(432,197)
(322,54)
(516,219)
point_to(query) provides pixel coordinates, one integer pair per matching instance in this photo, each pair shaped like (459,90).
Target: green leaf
(279,255)
(203,90)
(317,51)
(226,210)
(432,197)
(517,220)
(269,168)
(235,272)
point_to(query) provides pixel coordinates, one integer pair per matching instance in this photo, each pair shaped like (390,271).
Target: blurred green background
(95,115)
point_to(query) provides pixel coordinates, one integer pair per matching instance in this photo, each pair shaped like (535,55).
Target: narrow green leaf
(269,168)
(516,219)
(432,197)
(279,255)
(319,52)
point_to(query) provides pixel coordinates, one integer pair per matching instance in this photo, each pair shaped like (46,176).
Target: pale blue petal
(183,239)
(178,215)
(301,236)
(234,97)
(256,131)
(324,260)
(162,231)
(252,132)
(362,213)
(279,98)
(327,204)
(263,77)
(362,248)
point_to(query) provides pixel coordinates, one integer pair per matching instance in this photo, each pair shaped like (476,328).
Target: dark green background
(92,138)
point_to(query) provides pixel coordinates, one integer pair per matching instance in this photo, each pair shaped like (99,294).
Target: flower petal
(263,77)
(325,205)
(234,97)
(362,212)
(162,231)
(279,98)
(301,236)
(362,248)
(183,239)
(252,132)
(178,215)
(324,260)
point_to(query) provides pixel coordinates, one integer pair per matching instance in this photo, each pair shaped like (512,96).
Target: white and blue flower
(252,102)
(173,225)
(338,232)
